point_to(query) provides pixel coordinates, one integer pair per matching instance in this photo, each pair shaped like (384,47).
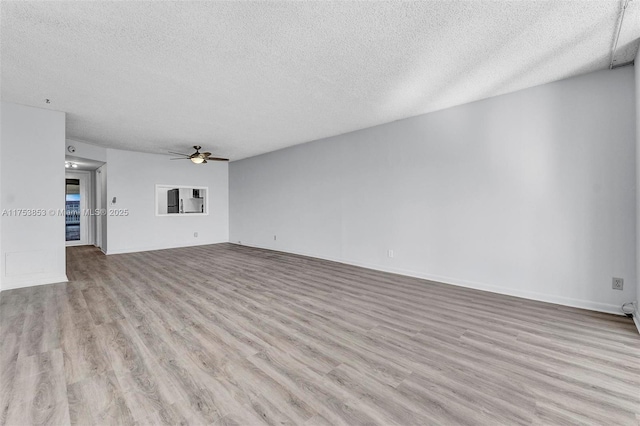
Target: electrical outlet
(195,234)
(617,283)
(390,253)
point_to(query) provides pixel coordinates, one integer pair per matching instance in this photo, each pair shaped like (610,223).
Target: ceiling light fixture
(68,164)
(197,157)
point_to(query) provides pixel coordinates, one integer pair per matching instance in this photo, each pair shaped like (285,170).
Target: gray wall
(33,246)
(530,193)
(132,177)
(637,81)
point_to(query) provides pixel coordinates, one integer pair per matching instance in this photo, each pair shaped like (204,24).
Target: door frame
(85,193)
(98,206)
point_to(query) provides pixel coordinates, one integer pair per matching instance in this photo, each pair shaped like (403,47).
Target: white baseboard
(52,279)
(158,247)
(542,297)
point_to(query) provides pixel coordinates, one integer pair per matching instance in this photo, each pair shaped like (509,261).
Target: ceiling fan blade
(178,153)
(217,159)
(206,154)
(204,162)
(181,158)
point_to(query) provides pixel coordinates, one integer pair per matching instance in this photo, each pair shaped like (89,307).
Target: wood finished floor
(260,337)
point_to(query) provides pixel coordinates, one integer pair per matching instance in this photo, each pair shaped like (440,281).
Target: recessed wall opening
(83,213)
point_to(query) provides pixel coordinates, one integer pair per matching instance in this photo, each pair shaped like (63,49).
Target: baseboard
(636,316)
(541,297)
(53,279)
(159,247)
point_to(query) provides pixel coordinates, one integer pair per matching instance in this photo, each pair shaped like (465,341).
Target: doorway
(85,198)
(77,230)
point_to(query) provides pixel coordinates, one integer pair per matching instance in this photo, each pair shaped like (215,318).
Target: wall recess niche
(181,200)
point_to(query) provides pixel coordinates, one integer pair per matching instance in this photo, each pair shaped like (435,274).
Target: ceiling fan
(198,157)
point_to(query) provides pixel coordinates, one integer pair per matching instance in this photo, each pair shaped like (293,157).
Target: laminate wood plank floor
(232,335)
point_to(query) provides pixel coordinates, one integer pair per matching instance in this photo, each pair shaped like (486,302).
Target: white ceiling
(244,78)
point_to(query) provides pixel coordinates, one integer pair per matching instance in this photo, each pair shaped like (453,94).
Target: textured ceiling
(244,78)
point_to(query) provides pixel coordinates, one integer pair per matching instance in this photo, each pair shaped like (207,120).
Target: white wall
(132,178)
(530,194)
(161,195)
(86,150)
(1,197)
(102,222)
(637,82)
(32,248)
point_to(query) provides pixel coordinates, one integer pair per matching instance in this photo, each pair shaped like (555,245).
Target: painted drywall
(530,194)
(636,69)
(1,204)
(86,150)
(132,178)
(32,247)
(102,222)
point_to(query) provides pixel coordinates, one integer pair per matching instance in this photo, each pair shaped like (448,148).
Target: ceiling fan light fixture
(197,157)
